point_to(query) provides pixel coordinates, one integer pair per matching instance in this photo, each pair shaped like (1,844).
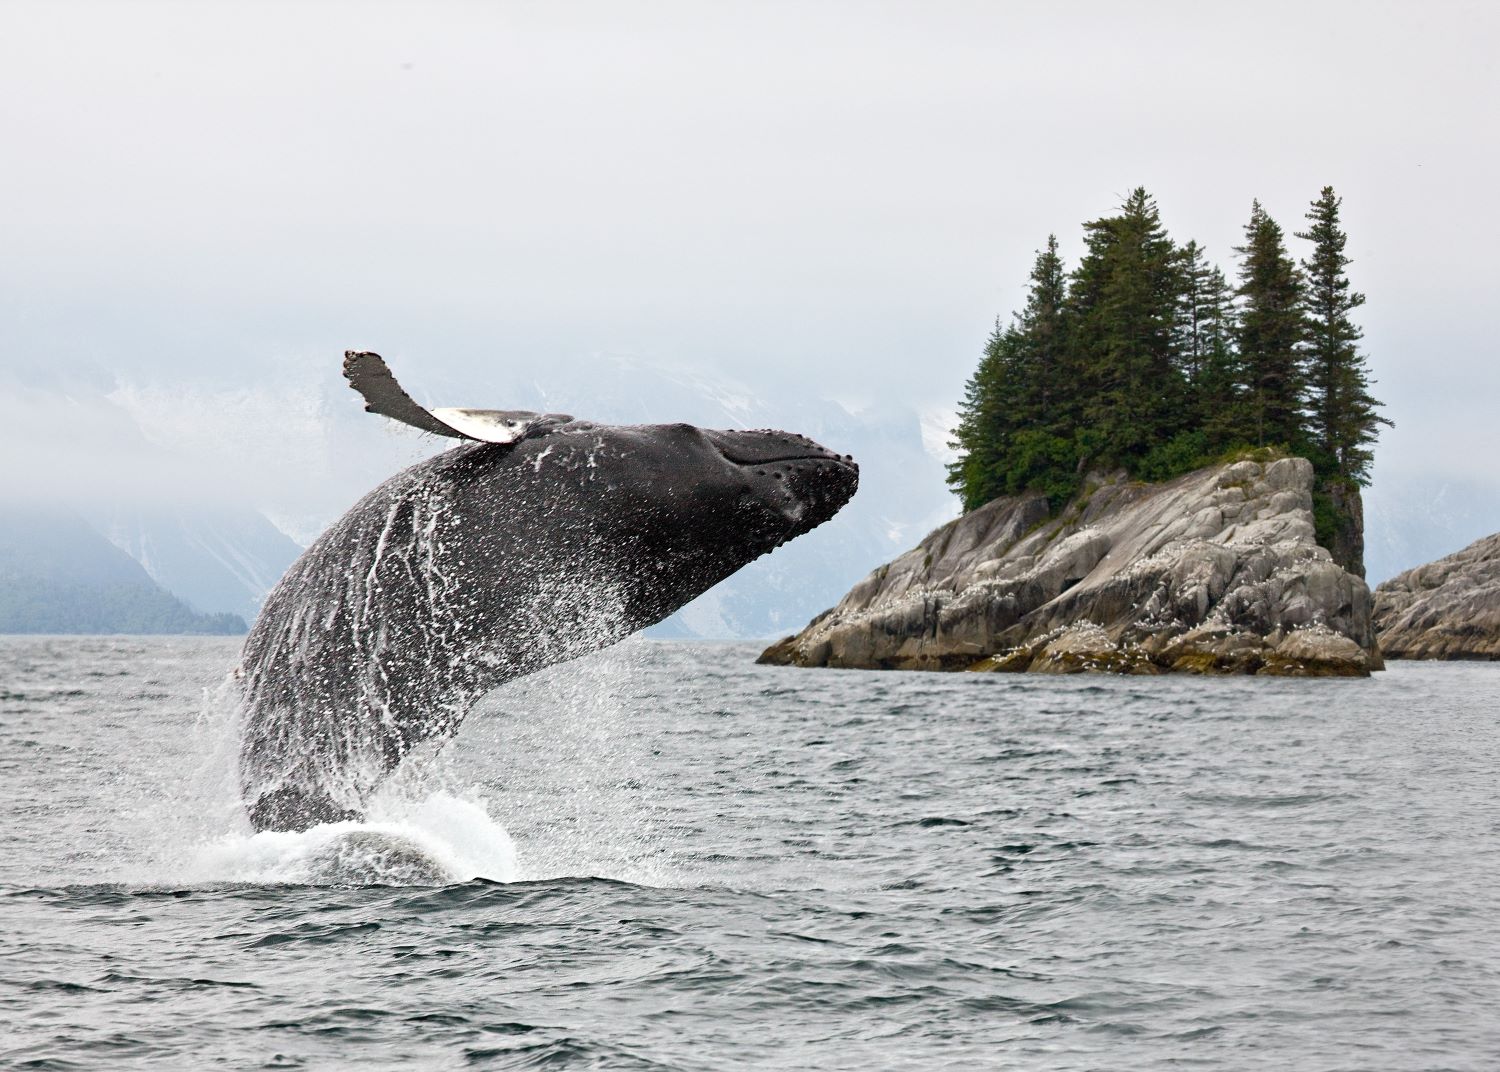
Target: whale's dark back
(488,562)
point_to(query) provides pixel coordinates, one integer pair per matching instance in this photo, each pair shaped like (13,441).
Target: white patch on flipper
(487,425)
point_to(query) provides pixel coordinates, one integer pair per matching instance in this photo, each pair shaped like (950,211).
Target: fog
(204,205)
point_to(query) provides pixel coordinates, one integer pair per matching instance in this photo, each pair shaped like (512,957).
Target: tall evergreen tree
(1015,423)
(1043,455)
(1123,301)
(1193,310)
(982,439)
(1044,342)
(1219,397)
(1270,334)
(1345,417)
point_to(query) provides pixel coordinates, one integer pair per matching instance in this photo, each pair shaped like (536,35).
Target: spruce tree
(983,437)
(1123,301)
(1270,334)
(1015,423)
(1345,416)
(1044,342)
(1192,312)
(1218,396)
(1042,454)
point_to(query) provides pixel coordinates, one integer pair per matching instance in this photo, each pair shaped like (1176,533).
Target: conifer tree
(1123,301)
(1345,417)
(1270,335)
(1219,398)
(1192,313)
(1044,342)
(1043,455)
(985,426)
(1014,431)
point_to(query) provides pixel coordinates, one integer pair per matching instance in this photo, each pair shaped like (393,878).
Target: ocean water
(665,857)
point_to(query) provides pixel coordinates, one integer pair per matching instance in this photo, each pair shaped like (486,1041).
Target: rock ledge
(1215,572)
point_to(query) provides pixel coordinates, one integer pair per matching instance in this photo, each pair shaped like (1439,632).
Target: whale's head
(650,515)
(654,514)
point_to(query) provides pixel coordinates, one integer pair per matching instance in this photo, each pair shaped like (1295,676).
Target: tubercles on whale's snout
(811,482)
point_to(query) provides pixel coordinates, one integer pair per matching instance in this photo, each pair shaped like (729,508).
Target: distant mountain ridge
(216,558)
(59,575)
(1414,517)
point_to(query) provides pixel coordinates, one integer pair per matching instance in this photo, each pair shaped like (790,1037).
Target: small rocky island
(1161,471)
(1448,609)
(1215,572)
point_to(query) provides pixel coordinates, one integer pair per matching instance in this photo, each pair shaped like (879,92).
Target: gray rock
(1448,609)
(1318,651)
(1216,571)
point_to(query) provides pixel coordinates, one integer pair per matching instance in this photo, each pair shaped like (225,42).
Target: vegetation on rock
(1145,358)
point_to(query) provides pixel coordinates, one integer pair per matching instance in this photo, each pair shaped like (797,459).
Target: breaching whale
(539,539)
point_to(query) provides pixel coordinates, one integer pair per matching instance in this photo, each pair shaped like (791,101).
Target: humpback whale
(537,539)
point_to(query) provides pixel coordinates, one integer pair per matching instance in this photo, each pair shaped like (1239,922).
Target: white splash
(420,830)
(441,840)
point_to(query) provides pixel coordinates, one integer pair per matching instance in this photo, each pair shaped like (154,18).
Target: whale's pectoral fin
(367,373)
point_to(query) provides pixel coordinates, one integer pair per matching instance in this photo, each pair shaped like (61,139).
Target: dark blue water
(694,862)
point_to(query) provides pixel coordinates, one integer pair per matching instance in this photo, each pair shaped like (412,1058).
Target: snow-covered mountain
(216,558)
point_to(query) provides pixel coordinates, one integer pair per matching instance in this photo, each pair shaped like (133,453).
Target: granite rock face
(1448,609)
(1216,571)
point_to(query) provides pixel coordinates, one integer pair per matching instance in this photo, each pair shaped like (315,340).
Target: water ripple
(637,862)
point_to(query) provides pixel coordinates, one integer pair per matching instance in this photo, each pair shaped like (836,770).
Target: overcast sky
(215,197)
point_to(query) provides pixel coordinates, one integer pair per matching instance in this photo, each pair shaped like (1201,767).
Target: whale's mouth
(766,446)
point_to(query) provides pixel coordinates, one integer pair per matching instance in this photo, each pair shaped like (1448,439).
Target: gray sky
(210,201)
